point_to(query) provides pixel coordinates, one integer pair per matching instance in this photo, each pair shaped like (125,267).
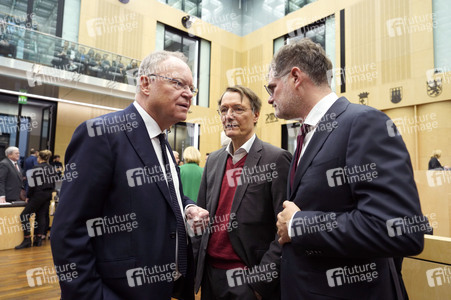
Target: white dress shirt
(154,131)
(313,118)
(242,151)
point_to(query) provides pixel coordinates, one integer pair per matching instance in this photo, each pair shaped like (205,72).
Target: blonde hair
(191,155)
(45,155)
(436,153)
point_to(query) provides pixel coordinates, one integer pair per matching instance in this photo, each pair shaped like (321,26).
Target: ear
(256,116)
(144,84)
(297,76)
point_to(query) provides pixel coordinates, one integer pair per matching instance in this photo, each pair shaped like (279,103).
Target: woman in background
(191,173)
(39,194)
(434,163)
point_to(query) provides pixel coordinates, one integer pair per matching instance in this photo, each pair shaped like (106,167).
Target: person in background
(191,173)
(177,158)
(11,179)
(29,163)
(41,186)
(56,163)
(31,160)
(434,163)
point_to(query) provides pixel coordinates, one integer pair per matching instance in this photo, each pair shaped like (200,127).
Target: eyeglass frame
(178,84)
(234,112)
(267,87)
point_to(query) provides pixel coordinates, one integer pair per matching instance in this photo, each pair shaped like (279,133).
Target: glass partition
(22,43)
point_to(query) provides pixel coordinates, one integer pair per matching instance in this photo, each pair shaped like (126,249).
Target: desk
(11,233)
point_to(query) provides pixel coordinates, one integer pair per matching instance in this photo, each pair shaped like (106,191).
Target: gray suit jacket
(11,181)
(258,199)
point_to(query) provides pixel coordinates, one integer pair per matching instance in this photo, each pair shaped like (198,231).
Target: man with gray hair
(11,180)
(121,223)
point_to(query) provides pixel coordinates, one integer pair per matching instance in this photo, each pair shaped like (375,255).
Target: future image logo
(111,124)
(147,275)
(410,24)
(438,178)
(351,174)
(354,274)
(110,225)
(51,275)
(233,177)
(438,276)
(409,225)
(135,277)
(259,273)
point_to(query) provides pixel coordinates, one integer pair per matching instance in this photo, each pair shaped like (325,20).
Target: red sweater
(220,251)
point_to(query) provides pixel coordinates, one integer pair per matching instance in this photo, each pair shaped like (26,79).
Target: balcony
(45,59)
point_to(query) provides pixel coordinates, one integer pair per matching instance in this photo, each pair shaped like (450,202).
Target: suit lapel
(218,170)
(140,141)
(317,141)
(253,157)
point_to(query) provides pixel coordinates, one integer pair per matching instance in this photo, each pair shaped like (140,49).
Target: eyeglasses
(269,89)
(178,85)
(235,111)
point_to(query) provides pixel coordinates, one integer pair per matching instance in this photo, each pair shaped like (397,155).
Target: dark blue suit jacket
(136,234)
(354,178)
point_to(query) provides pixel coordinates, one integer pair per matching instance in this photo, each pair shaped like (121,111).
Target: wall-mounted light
(187,21)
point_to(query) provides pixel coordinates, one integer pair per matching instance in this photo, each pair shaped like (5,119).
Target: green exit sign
(23,99)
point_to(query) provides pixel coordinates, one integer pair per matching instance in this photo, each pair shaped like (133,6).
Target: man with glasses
(242,187)
(120,222)
(353,210)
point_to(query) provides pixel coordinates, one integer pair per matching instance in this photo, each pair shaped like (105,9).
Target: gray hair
(308,56)
(10,150)
(151,63)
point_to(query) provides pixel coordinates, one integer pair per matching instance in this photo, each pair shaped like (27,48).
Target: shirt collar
(319,110)
(152,126)
(246,147)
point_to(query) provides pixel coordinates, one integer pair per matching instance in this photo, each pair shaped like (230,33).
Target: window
(321,32)
(442,32)
(198,53)
(43,16)
(294,5)
(30,125)
(183,135)
(193,8)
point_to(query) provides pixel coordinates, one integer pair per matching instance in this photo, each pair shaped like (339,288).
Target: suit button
(172,235)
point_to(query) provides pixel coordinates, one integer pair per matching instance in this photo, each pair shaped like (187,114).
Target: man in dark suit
(242,187)
(120,221)
(11,180)
(353,209)
(28,164)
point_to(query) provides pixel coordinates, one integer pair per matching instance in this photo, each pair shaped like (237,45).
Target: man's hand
(258,296)
(3,199)
(283,218)
(197,217)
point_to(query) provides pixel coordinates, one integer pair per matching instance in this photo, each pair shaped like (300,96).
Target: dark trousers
(215,286)
(38,204)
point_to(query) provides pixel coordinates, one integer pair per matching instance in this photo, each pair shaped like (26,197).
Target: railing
(25,44)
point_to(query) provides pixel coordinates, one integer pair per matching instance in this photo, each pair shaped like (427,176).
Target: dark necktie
(181,233)
(17,167)
(299,141)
